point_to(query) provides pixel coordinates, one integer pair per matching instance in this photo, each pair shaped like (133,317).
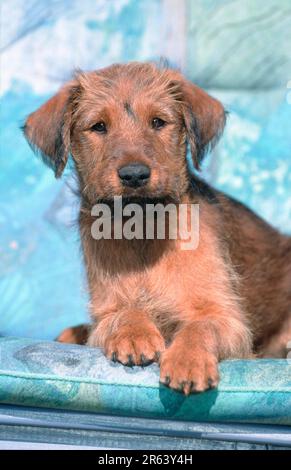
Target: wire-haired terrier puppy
(127,128)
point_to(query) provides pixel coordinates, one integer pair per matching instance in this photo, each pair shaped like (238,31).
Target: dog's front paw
(135,345)
(189,371)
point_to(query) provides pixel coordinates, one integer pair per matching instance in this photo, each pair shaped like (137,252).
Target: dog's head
(127,127)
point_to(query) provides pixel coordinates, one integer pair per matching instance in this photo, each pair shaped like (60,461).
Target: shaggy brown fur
(150,300)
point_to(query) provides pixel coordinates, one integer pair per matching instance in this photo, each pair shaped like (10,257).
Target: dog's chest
(155,283)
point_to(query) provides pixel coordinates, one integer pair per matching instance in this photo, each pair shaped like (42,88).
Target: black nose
(134,175)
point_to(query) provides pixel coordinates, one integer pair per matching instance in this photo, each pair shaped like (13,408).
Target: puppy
(127,128)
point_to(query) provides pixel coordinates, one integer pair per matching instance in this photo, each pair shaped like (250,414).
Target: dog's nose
(134,175)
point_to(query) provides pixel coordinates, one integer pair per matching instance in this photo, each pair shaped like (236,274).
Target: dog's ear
(204,119)
(48,129)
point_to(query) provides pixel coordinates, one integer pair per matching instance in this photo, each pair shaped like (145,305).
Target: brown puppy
(151,300)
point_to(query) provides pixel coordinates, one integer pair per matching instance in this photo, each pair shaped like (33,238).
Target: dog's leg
(190,364)
(75,335)
(279,345)
(128,337)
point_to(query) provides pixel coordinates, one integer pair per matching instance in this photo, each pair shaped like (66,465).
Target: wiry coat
(150,300)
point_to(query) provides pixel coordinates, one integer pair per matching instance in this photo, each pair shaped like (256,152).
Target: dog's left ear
(204,119)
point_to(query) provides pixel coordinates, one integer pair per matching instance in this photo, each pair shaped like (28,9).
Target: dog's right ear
(48,129)
(204,118)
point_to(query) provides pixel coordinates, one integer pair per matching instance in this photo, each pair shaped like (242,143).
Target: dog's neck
(115,256)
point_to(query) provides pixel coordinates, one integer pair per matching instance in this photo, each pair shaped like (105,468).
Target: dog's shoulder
(200,189)
(233,213)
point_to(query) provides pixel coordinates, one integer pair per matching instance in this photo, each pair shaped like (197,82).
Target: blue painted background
(42,285)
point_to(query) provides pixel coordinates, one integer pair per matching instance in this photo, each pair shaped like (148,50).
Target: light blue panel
(253,159)
(240,52)
(42,284)
(41,280)
(234,44)
(48,374)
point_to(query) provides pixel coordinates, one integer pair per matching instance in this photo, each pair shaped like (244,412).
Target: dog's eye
(99,127)
(158,123)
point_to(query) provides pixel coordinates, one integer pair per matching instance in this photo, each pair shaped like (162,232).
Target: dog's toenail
(182,385)
(211,383)
(193,386)
(157,356)
(144,361)
(167,380)
(130,362)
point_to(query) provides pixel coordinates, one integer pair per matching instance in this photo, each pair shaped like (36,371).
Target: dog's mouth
(142,201)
